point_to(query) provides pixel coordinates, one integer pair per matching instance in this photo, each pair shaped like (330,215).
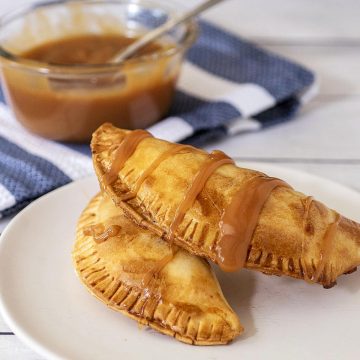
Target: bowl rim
(191,34)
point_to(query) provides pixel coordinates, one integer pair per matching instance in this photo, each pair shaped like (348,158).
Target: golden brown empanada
(233,216)
(135,272)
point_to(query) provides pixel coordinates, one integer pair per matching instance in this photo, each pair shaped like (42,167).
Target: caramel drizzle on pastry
(307,205)
(171,151)
(162,157)
(149,283)
(100,234)
(327,241)
(123,152)
(159,265)
(327,245)
(216,159)
(239,221)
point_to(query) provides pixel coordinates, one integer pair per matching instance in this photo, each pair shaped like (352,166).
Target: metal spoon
(156,33)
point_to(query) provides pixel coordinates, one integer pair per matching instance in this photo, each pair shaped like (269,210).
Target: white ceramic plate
(47,307)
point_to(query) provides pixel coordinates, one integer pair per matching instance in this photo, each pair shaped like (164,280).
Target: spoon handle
(154,34)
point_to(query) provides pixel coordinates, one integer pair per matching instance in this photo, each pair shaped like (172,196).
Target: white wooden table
(325,138)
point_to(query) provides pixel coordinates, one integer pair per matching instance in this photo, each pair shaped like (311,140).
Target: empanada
(232,216)
(135,272)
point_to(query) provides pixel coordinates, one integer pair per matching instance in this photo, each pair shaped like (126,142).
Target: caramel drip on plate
(239,221)
(328,243)
(123,152)
(162,157)
(307,205)
(100,234)
(217,159)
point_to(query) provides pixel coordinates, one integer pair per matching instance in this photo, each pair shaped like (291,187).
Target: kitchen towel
(227,86)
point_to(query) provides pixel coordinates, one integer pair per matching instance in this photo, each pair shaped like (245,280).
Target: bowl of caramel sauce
(55,70)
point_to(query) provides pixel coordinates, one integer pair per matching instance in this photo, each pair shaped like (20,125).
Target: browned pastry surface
(135,272)
(238,217)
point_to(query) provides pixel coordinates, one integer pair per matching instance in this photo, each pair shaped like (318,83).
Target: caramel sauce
(216,159)
(123,152)
(100,234)
(239,221)
(307,202)
(326,247)
(85,49)
(327,242)
(70,105)
(171,151)
(151,288)
(153,273)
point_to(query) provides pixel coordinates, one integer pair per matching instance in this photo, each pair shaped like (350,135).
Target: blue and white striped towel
(227,86)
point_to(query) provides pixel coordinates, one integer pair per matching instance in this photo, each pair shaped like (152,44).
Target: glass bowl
(68,102)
